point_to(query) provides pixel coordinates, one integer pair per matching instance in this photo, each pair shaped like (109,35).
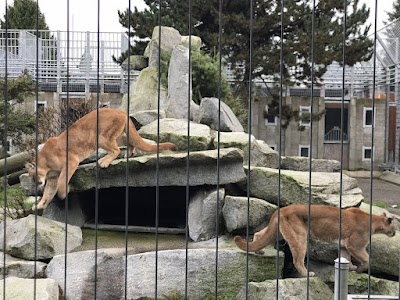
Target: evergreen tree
(297,28)
(395,13)
(22,15)
(19,122)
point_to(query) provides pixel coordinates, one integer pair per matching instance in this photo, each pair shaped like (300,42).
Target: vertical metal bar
(281,71)
(372,148)
(4,147)
(127,157)
(219,144)
(97,149)
(249,142)
(310,156)
(37,136)
(66,178)
(158,146)
(342,138)
(188,151)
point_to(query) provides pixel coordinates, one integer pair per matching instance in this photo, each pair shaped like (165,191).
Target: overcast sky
(83,13)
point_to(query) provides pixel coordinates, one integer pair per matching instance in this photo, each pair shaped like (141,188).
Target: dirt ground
(384,194)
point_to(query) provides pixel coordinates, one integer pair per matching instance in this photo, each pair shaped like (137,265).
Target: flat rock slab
(15,267)
(172,170)
(22,289)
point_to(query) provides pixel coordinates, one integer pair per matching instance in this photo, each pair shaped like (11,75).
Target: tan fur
(324,225)
(113,124)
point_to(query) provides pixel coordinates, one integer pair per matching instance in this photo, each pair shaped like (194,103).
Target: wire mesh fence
(188,215)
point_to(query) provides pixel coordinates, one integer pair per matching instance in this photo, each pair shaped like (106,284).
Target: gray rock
(137,62)
(145,117)
(170,37)
(178,84)
(81,274)
(172,170)
(50,234)
(298,163)
(201,272)
(22,289)
(209,115)
(235,212)
(176,131)
(145,93)
(15,267)
(194,40)
(261,155)
(202,214)
(358,284)
(325,187)
(56,211)
(27,184)
(288,289)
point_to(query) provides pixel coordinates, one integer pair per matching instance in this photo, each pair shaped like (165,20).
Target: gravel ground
(384,194)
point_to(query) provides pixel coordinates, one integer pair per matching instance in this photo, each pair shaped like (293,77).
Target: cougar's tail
(138,142)
(262,241)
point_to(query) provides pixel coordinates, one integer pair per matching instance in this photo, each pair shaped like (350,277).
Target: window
(273,147)
(367,153)
(40,105)
(305,115)
(270,119)
(10,146)
(368,115)
(304,150)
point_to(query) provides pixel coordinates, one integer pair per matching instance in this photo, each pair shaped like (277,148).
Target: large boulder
(358,284)
(176,131)
(195,42)
(299,163)
(178,84)
(288,289)
(202,213)
(171,273)
(325,187)
(201,272)
(50,238)
(145,117)
(261,155)
(22,289)
(208,114)
(145,93)
(172,170)
(235,212)
(15,267)
(170,37)
(80,274)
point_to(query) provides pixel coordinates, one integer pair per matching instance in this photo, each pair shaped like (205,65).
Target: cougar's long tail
(264,240)
(138,142)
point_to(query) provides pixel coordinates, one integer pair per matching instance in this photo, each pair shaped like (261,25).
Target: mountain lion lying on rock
(324,225)
(51,160)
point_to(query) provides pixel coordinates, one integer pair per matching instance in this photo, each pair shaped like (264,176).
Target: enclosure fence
(72,64)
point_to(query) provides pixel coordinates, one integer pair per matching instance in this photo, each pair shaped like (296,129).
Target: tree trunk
(15,163)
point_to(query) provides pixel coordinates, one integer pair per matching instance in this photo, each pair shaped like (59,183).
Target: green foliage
(22,15)
(19,122)
(395,13)
(16,204)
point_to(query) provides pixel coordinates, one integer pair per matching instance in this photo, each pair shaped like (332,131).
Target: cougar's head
(38,177)
(390,224)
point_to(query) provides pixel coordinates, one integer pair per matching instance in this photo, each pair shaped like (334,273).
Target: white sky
(83,13)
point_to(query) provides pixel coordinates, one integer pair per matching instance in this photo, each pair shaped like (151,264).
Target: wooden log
(15,163)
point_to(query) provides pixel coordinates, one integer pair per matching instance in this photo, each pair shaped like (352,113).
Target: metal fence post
(341,287)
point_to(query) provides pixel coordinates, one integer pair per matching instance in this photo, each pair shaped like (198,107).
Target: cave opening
(141,207)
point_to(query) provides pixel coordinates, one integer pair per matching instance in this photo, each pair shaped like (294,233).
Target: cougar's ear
(30,166)
(389,220)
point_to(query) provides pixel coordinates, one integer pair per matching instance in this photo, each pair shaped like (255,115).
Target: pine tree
(395,13)
(22,15)
(297,29)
